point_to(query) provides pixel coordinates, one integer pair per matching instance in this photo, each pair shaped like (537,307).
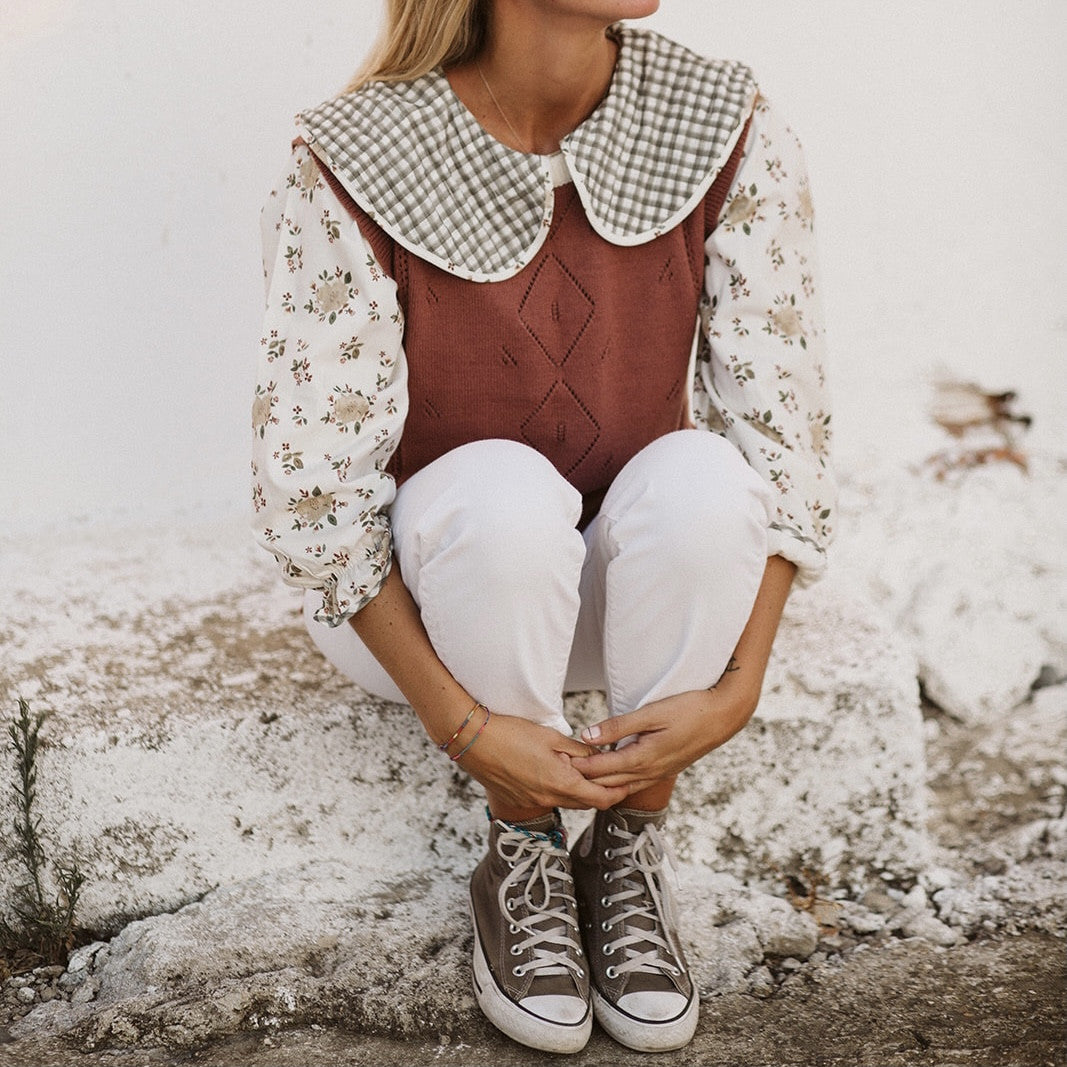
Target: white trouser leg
(486,542)
(487,545)
(674,562)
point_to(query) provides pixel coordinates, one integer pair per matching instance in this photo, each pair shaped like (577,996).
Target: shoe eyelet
(512,928)
(604,902)
(608,854)
(510,905)
(608,949)
(605,926)
(611,973)
(517,971)
(607,876)
(581,973)
(515,950)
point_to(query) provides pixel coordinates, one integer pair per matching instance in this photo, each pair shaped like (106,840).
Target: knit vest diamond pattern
(583,355)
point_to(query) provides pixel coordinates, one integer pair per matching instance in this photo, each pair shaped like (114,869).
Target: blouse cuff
(349,590)
(794,545)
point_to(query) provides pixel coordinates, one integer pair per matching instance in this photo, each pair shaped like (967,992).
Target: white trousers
(521,607)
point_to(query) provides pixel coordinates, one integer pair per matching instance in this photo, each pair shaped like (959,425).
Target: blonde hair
(420,35)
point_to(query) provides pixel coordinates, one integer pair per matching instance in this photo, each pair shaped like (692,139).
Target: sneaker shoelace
(539,872)
(640,894)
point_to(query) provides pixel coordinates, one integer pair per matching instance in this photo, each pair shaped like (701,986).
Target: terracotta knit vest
(584,354)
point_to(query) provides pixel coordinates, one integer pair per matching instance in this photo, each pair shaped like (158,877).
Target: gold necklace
(503,113)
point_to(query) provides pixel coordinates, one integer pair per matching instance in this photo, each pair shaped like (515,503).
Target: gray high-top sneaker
(642,993)
(530,976)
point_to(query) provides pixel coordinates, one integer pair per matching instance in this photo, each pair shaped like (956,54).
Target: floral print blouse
(331,398)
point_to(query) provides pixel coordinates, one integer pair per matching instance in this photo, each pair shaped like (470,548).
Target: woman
(483,448)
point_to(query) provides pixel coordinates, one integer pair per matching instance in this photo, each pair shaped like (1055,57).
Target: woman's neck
(538,77)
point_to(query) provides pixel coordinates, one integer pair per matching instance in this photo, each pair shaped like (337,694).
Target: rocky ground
(954,955)
(970,969)
(992,1003)
(966,967)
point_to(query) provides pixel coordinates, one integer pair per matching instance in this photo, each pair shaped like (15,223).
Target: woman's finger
(610,731)
(626,759)
(612,776)
(636,787)
(598,795)
(625,781)
(584,793)
(574,748)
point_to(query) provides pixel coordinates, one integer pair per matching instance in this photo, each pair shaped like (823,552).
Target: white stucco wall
(139,139)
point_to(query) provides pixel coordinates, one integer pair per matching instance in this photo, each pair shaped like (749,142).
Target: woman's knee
(695,461)
(499,501)
(696,494)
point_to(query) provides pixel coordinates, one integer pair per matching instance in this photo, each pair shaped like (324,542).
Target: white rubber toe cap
(649,1022)
(567,1011)
(658,1007)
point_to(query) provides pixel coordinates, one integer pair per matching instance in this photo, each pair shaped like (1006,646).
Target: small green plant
(42,925)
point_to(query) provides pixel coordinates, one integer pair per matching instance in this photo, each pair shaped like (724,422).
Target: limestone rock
(221,786)
(925,925)
(72,979)
(825,783)
(935,878)
(968,908)
(781,929)
(727,954)
(199,740)
(284,947)
(83,957)
(316,945)
(761,982)
(1056,839)
(861,920)
(972,569)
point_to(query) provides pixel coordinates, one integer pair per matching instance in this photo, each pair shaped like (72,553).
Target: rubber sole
(515,1021)
(643,1036)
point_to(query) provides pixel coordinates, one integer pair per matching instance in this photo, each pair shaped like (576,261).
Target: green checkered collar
(416,160)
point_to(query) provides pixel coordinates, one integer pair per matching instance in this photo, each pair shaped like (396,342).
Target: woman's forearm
(525,768)
(391,628)
(753,650)
(673,733)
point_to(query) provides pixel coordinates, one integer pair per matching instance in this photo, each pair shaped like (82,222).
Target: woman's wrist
(719,719)
(449,741)
(467,733)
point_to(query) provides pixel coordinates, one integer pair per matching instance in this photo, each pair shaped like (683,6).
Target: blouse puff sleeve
(330,397)
(759,377)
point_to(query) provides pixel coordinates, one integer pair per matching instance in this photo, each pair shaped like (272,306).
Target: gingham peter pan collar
(416,160)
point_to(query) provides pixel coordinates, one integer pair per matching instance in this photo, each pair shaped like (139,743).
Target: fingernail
(591,733)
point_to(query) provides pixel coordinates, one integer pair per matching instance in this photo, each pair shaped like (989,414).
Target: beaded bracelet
(556,837)
(470,744)
(443,747)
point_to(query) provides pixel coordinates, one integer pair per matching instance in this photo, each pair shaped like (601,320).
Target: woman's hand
(671,734)
(528,767)
(668,736)
(525,768)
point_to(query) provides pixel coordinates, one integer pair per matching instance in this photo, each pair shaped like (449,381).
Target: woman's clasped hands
(536,767)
